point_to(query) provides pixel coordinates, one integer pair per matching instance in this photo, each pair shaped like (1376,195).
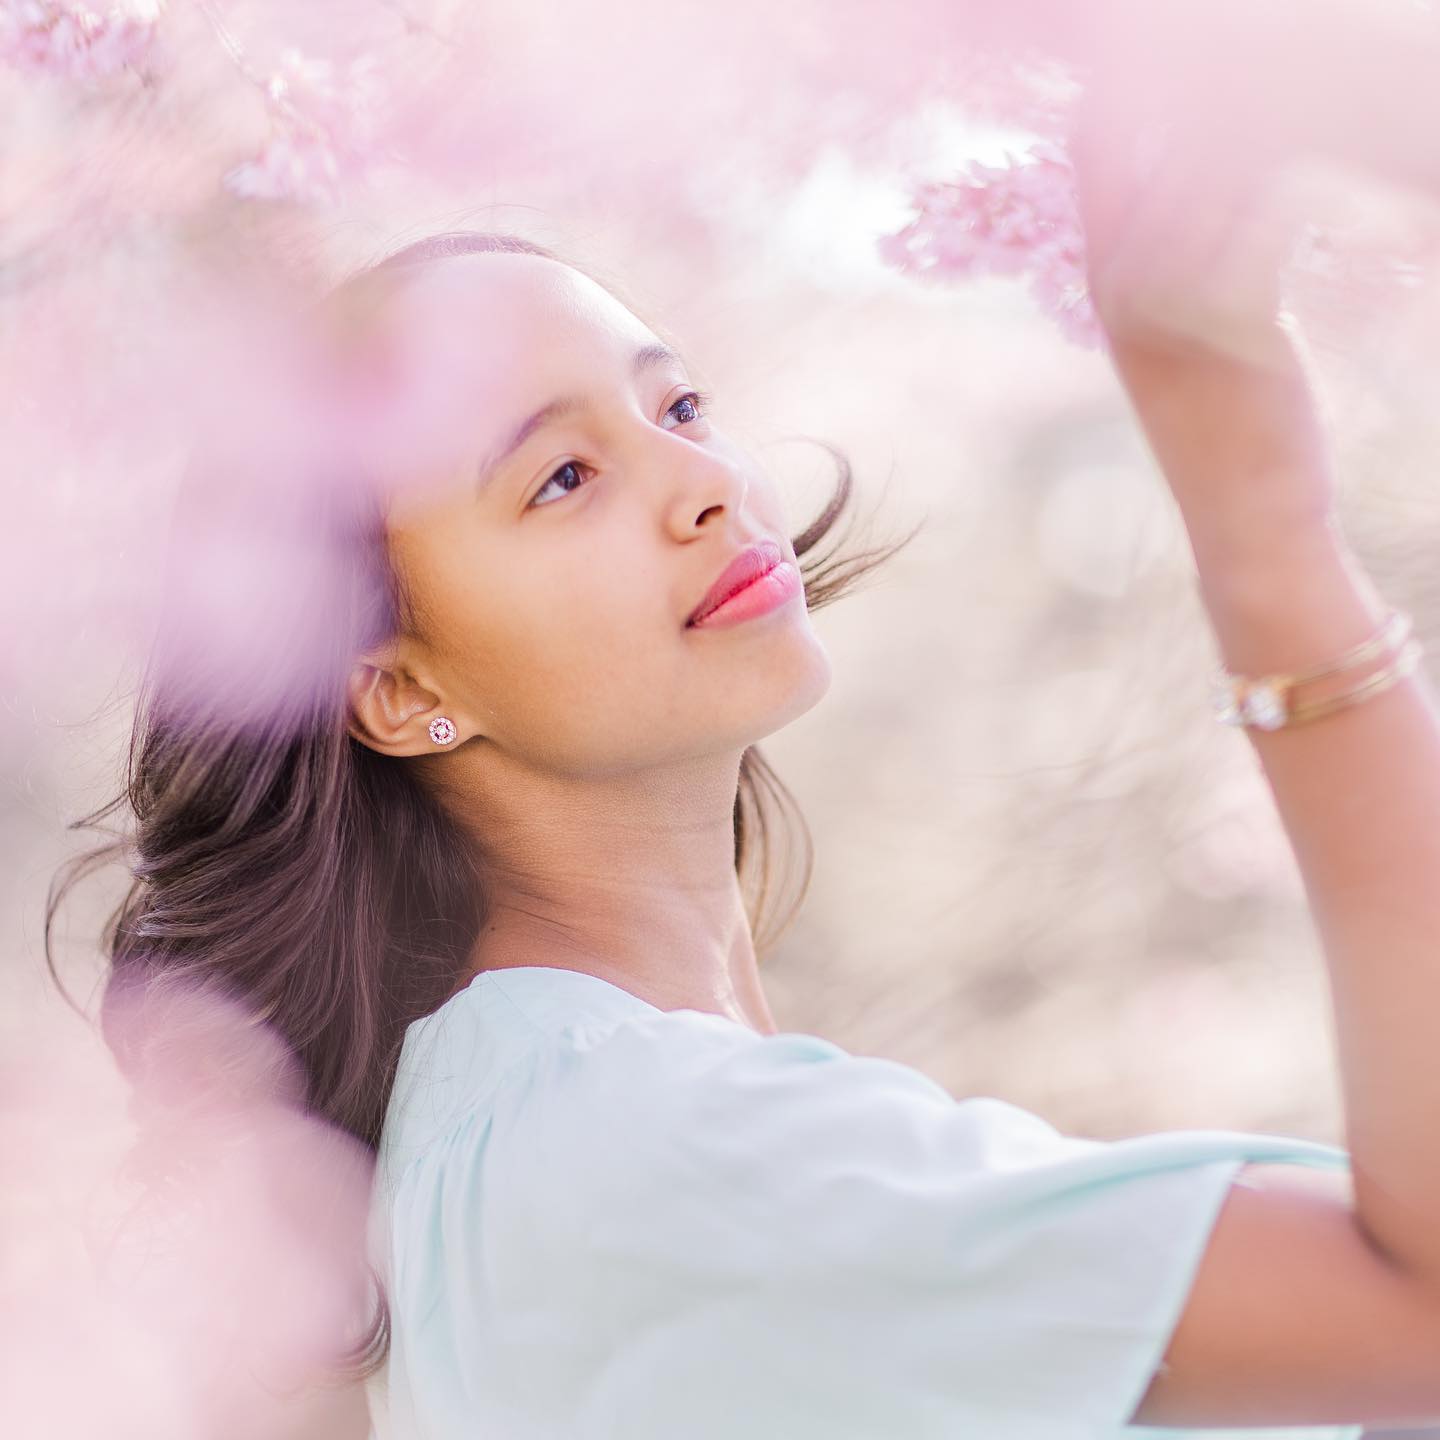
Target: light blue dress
(599,1220)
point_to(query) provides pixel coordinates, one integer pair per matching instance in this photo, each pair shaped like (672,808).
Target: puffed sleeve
(776,1237)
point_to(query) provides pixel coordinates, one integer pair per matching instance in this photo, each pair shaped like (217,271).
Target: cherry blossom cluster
(1021,218)
(74,40)
(322,116)
(322,127)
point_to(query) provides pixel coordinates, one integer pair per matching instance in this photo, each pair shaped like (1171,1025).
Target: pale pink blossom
(1020,218)
(291,166)
(75,40)
(323,123)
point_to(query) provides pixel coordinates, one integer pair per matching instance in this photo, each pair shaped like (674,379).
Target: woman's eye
(694,403)
(572,466)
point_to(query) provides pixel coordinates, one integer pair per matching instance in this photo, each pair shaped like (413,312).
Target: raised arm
(1314,1303)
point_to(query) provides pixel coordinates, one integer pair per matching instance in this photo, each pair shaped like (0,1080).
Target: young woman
(488,886)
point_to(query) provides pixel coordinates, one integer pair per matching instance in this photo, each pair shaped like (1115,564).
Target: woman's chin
(801,682)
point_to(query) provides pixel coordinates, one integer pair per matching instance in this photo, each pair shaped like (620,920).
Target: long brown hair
(286,865)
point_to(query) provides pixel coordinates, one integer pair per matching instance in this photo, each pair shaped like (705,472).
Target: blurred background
(1041,871)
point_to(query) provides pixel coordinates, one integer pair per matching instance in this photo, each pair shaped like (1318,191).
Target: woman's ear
(390,711)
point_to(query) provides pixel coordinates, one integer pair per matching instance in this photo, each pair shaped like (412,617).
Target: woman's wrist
(1286,600)
(1245,453)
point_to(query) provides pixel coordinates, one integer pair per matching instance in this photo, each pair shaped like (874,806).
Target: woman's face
(553,578)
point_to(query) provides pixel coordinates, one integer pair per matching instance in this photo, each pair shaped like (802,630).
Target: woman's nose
(700,480)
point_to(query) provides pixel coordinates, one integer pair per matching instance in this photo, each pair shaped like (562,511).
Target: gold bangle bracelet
(1264,701)
(1395,629)
(1404,664)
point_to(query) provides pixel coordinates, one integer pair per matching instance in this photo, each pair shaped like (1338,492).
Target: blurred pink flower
(1021,218)
(290,167)
(182,1246)
(323,127)
(65,38)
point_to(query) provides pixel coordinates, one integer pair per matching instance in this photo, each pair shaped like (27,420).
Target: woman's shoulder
(529,1039)
(578,1065)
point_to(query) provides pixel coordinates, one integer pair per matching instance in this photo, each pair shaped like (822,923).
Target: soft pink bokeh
(181,1250)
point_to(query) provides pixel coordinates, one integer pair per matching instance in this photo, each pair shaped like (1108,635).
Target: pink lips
(748,566)
(768,579)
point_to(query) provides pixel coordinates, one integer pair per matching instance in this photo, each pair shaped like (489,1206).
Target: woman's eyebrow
(644,359)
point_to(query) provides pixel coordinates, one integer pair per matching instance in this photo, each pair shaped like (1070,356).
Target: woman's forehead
(473,348)
(507,304)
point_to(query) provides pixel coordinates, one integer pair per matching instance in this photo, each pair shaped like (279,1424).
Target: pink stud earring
(442,731)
